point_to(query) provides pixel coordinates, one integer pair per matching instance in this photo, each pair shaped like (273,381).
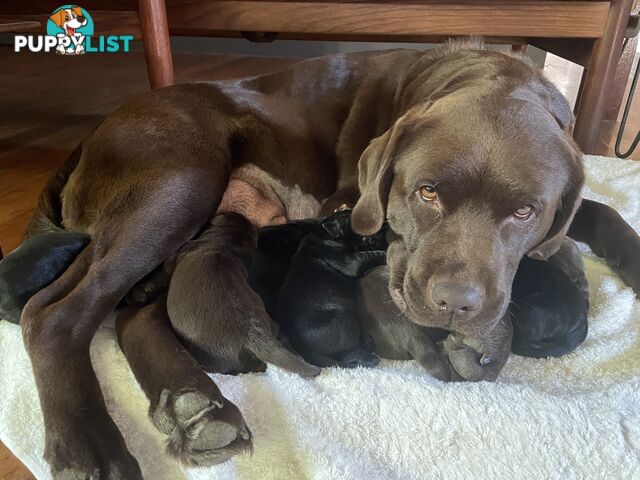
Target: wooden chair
(589,32)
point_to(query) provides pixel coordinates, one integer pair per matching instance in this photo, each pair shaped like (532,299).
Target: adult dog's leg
(610,237)
(203,427)
(138,229)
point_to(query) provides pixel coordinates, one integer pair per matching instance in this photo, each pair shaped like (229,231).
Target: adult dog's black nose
(457,297)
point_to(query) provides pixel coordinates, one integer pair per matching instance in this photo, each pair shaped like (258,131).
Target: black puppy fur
(316,307)
(34,265)
(276,246)
(549,311)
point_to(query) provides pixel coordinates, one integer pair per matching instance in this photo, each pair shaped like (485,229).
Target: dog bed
(574,417)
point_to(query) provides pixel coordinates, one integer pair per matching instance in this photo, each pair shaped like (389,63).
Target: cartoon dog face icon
(69,19)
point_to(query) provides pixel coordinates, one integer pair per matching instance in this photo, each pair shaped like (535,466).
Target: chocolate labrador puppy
(444,355)
(450,146)
(225,333)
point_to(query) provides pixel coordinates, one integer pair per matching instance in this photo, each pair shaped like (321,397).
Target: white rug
(575,417)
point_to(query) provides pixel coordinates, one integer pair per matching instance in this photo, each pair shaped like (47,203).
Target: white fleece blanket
(574,417)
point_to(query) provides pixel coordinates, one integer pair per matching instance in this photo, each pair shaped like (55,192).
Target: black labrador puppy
(316,306)
(36,263)
(548,310)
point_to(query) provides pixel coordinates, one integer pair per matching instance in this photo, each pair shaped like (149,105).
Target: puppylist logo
(70,32)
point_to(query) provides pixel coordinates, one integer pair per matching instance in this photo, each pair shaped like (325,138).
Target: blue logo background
(87,30)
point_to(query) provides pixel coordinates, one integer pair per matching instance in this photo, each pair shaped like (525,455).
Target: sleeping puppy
(36,263)
(316,306)
(444,355)
(549,304)
(276,247)
(239,335)
(394,336)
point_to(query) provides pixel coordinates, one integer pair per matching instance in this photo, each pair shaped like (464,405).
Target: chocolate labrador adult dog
(466,152)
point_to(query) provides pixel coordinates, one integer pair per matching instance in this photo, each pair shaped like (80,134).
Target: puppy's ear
(375,173)
(58,18)
(77,11)
(333,227)
(565,212)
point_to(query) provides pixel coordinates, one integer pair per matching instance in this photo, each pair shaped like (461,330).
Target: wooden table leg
(599,76)
(157,47)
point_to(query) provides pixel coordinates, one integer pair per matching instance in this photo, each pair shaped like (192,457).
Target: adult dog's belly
(264,200)
(243,198)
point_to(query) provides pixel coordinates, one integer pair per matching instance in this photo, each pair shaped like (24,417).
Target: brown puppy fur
(445,356)
(484,126)
(226,333)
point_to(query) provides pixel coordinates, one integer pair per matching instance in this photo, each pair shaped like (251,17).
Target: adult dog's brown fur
(483,127)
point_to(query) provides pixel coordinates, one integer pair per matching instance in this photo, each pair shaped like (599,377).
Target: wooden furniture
(589,32)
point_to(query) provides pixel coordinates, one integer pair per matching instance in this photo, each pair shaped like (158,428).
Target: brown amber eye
(428,193)
(523,212)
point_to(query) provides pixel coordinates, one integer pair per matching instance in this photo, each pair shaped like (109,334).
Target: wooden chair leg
(157,47)
(519,48)
(599,76)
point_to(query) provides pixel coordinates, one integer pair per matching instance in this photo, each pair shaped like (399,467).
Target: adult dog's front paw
(89,448)
(203,429)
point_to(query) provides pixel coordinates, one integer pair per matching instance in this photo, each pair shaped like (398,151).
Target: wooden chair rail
(557,19)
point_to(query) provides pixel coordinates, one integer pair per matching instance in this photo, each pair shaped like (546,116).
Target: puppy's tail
(610,237)
(270,350)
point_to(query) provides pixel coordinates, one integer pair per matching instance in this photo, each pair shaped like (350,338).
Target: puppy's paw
(467,361)
(203,430)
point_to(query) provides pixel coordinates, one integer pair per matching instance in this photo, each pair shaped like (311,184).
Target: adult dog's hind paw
(202,431)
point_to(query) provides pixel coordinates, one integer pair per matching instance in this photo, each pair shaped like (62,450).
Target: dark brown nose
(457,297)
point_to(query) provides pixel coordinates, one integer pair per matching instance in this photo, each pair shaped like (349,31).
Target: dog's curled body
(464,121)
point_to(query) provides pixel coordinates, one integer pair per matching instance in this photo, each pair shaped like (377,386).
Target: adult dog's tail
(47,216)
(610,237)
(270,350)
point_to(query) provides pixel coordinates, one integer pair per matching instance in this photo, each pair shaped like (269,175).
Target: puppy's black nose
(81,18)
(457,297)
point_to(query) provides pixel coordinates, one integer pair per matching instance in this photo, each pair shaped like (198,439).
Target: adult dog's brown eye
(428,193)
(523,212)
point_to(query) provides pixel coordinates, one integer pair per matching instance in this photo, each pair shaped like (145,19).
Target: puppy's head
(470,179)
(338,227)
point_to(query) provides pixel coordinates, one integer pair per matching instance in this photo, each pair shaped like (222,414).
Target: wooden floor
(48,103)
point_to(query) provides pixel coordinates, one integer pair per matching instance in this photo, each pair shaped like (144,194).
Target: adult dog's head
(478,170)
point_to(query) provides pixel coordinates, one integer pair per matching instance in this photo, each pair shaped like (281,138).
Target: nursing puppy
(239,336)
(316,307)
(276,246)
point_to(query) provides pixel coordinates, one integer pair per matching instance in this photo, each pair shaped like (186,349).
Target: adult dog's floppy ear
(559,107)
(375,173)
(565,211)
